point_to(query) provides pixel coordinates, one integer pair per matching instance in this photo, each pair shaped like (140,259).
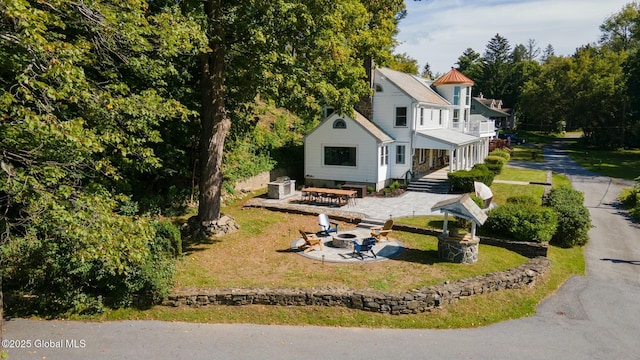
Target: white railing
(474,127)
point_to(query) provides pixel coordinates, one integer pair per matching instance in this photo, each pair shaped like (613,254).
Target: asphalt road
(590,317)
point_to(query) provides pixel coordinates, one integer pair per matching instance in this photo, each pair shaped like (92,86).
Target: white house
(412,126)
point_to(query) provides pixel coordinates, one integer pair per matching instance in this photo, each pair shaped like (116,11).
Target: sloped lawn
(258,256)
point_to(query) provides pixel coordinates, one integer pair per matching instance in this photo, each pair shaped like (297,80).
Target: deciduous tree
(300,54)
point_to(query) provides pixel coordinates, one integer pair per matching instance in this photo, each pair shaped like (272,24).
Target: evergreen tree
(548,52)
(470,64)
(426,72)
(496,68)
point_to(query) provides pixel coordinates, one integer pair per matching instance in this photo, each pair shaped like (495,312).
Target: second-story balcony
(480,128)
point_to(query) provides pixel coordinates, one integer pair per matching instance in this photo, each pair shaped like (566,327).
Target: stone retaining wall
(411,302)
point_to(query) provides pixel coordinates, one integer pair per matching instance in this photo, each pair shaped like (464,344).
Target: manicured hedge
(495,163)
(574,220)
(521,222)
(462,181)
(501,153)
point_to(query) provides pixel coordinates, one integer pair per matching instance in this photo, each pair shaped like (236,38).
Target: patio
(332,252)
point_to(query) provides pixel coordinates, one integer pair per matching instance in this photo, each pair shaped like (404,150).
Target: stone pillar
(458,250)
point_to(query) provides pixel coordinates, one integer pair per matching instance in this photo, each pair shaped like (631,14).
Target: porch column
(467,155)
(467,158)
(451,160)
(430,158)
(474,154)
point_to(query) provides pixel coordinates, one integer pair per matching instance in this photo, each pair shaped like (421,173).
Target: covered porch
(463,150)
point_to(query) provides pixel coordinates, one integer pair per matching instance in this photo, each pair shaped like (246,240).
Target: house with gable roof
(409,126)
(493,109)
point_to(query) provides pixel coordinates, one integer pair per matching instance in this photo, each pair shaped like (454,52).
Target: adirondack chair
(325,225)
(381,233)
(311,241)
(366,246)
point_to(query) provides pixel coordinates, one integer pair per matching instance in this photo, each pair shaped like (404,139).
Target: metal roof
(443,139)
(453,77)
(413,87)
(463,207)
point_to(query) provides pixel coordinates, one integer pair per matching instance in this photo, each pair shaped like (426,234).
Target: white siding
(384,110)
(353,136)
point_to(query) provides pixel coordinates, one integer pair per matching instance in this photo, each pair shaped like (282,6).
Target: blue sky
(438,31)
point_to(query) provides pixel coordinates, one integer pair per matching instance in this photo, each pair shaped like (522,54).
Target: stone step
(434,186)
(368,223)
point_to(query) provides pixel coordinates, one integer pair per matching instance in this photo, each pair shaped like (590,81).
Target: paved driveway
(592,317)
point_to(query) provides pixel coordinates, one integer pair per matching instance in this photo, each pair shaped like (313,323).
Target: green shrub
(477,200)
(630,198)
(521,222)
(502,153)
(523,199)
(167,238)
(635,213)
(80,256)
(462,181)
(394,185)
(495,163)
(371,189)
(574,220)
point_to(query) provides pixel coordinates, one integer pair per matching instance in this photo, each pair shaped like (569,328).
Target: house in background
(409,126)
(492,109)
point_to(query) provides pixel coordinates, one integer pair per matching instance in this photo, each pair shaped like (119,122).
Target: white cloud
(438,31)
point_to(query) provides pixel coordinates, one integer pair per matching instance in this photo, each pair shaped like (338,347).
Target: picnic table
(329,196)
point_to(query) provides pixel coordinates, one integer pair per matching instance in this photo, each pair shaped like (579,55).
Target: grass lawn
(522,175)
(258,255)
(471,312)
(501,192)
(623,164)
(527,153)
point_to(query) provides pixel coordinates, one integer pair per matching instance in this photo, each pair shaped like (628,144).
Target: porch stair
(433,186)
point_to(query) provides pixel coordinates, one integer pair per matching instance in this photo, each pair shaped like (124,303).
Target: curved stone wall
(411,302)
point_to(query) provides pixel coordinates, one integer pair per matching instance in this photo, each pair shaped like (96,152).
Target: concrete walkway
(590,317)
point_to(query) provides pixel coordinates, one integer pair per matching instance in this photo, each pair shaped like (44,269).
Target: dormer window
(340,124)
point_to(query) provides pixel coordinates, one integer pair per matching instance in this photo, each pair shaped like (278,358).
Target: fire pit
(344,240)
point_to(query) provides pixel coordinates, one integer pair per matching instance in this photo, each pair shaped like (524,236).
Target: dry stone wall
(410,302)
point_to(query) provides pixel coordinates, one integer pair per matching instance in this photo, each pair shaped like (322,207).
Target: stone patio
(384,250)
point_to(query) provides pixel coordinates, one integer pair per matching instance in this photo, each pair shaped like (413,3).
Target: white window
(456,115)
(456,95)
(468,95)
(400,156)
(384,155)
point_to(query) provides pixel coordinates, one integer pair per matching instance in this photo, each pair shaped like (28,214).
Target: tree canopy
(102,107)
